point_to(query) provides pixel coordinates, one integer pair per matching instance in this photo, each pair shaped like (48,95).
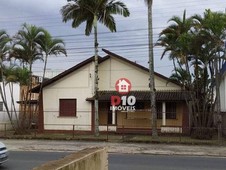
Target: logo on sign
(123,86)
(123,103)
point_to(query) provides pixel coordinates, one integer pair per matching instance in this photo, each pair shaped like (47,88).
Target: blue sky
(130,40)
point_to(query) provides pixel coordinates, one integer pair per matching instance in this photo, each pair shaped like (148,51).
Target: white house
(4,117)
(67,101)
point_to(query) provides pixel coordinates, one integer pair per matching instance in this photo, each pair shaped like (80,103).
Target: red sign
(123,86)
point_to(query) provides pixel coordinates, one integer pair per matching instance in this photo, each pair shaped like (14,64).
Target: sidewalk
(131,148)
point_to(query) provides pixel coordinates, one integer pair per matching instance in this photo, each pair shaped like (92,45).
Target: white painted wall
(113,69)
(79,85)
(4,118)
(75,85)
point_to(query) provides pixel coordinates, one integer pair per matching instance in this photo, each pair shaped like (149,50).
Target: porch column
(163,113)
(113,116)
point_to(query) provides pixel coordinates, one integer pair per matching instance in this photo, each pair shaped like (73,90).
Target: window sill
(67,117)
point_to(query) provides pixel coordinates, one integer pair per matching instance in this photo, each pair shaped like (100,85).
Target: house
(28,108)
(11,91)
(67,101)
(28,102)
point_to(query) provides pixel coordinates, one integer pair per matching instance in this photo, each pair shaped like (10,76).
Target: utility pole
(151,73)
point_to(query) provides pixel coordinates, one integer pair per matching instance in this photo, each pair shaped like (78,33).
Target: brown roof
(91,59)
(145,95)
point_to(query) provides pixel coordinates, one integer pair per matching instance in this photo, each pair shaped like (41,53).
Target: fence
(112,133)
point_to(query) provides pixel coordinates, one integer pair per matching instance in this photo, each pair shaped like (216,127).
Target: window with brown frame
(171,108)
(159,110)
(68,107)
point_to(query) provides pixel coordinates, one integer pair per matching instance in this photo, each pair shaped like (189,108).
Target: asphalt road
(163,162)
(24,160)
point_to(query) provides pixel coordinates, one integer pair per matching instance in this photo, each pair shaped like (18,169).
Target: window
(159,110)
(123,87)
(68,107)
(109,117)
(1,106)
(139,105)
(171,110)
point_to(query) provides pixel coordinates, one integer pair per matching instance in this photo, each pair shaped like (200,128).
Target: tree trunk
(151,71)
(96,78)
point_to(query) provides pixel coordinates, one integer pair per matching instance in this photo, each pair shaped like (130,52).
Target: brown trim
(91,59)
(41,114)
(63,74)
(68,131)
(67,107)
(171,126)
(185,119)
(135,130)
(92,118)
(168,96)
(137,65)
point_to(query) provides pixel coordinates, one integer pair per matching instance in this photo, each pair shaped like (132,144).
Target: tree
(91,12)
(26,48)
(213,28)
(4,51)
(196,44)
(180,76)
(49,46)
(151,71)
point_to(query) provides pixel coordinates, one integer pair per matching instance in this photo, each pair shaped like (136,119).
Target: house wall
(113,69)
(133,120)
(142,119)
(178,121)
(79,85)
(4,118)
(103,113)
(75,85)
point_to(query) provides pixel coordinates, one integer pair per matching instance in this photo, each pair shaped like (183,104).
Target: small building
(67,101)
(11,91)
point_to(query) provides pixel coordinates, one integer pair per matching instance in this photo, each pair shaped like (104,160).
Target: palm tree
(50,46)
(26,48)
(213,26)
(13,75)
(180,76)
(4,51)
(91,12)
(151,71)
(176,38)
(196,43)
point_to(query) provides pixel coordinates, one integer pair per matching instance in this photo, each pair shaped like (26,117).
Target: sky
(130,41)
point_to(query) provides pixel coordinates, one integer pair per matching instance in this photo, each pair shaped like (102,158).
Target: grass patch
(168,139)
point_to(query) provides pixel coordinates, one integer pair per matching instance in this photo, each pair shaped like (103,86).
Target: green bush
(202,133)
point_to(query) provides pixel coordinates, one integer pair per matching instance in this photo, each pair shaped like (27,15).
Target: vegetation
(196,47)
(91,12)
(18,54)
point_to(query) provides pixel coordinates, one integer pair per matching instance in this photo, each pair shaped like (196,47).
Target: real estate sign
(123,102)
